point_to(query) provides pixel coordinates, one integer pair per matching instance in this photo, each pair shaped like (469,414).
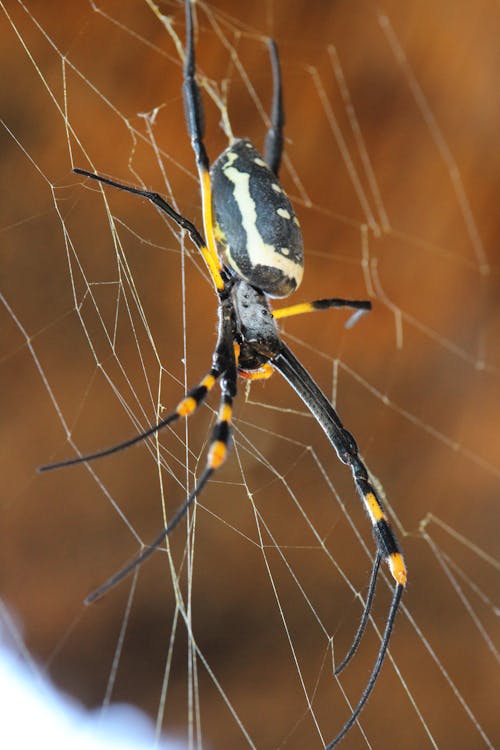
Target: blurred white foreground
(34,713)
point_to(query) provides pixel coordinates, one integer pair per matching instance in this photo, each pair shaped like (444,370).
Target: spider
(253,251)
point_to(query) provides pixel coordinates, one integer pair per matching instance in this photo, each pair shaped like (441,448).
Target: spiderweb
(227,638)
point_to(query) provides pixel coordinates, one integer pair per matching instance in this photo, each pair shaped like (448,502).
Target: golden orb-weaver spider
(253,251)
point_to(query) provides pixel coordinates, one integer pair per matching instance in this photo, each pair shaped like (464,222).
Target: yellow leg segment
(218,449)
(398,568)
(194,398)
(373,507)
(361,306)
(287,312)
(210,252)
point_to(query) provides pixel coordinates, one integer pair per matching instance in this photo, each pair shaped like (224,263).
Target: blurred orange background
(417,380)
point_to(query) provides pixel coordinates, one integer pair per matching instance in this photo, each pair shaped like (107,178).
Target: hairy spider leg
(364,617)
(185,408)
(361,307)
(195,121)
(398,592)
(214,267)
(216,456)
(224,361)
(137,561)
(268,345)
(387,545)
(194,397)
(347,451)
(273,149)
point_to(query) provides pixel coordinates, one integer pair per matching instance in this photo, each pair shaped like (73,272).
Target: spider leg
(217,452)
(219,443)
(185,408)
(398,592)
(224,352)
(364,617)
(361,307)
(115,579)
(274,138)
(387,544)
(347,452)
(195,121)
(214,266)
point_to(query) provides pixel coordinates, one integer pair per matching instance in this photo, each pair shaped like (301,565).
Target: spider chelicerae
(253,251)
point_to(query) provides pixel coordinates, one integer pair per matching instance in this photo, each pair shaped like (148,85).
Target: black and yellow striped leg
(274,139)
(217,452)
(224,356)
(224,367)
(361,307)
(387,545)
(382,532)
(347,451)
(184,409)
(193,107)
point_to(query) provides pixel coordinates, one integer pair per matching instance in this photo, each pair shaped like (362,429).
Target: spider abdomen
(257,232)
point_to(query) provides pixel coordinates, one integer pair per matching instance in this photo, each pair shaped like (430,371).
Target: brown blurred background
(424,409)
